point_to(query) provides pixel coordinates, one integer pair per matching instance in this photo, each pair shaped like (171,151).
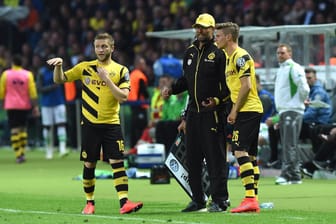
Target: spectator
(310,12)
(295,14)
(97,22)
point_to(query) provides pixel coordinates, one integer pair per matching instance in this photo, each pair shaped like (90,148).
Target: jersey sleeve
(124,82)
(32,86)
(74,73)
(244,63)
(2,85)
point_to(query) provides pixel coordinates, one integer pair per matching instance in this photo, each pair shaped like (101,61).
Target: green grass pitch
(41,191)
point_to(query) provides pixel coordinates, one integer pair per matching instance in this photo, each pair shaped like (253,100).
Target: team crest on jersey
(127,76)
(84,155)
(241,62)
(87,81)
(211,56)
(112,74)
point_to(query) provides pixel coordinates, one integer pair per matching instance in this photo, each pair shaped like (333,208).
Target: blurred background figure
(264,141)
(325,157)
(53,112)
(138,98)
(318,110)
(291,90)
(18,97)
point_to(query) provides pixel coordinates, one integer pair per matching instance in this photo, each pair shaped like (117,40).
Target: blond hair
(229,28)
(103,36)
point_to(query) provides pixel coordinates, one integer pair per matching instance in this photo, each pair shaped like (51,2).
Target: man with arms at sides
(18,96)
(105,85)
(290,91)
(203,69)
(137,97)
(246,112)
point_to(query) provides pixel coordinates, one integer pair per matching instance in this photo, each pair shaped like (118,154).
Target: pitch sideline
(93,216)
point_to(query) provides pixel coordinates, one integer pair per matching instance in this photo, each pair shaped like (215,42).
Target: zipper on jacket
(196,74)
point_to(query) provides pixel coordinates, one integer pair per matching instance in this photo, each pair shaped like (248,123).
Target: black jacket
(203,76)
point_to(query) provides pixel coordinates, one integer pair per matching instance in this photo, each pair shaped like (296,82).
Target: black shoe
(272,164)
(227,203)
(194,206)
(307,172)
(218,207)
(320,164)
(214,207)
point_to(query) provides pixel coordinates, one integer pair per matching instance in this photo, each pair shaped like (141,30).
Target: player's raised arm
(58,70)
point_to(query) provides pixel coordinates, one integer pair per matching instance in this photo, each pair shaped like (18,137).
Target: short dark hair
(17,60)
(257,78)
(310,70)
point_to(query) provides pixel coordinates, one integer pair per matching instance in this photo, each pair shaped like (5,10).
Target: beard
(203,38)
(104,58)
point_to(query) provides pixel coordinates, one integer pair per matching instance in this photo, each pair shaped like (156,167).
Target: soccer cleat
(281,181)
(194,207)
(272,163)
(129,207)
(64,154)
(49,154)
(307,172)
(89,208)
(20,159)
(247,205)
(284,181)
(295,182)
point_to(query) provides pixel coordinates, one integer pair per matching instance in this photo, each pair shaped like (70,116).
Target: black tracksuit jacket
(200,84)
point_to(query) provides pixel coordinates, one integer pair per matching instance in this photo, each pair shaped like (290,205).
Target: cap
(205,20)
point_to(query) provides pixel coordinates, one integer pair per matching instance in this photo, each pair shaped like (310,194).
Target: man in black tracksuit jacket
(204,79)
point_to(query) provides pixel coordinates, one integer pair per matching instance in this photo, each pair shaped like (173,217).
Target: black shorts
(17,118)
(105,138)
(246,132)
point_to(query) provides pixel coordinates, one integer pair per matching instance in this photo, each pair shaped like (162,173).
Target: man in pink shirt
(18,96)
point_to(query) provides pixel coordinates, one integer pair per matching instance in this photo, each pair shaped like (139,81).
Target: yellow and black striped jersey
(99,106)
(240,64)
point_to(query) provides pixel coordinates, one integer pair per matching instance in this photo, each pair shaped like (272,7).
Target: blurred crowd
(66,28)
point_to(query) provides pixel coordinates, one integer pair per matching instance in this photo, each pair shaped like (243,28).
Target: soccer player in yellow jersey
(105,84)
(245,114)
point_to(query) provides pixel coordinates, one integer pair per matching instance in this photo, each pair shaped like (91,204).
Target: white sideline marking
(96,216)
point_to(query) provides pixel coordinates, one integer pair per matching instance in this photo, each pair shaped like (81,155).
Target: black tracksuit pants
(205,139)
